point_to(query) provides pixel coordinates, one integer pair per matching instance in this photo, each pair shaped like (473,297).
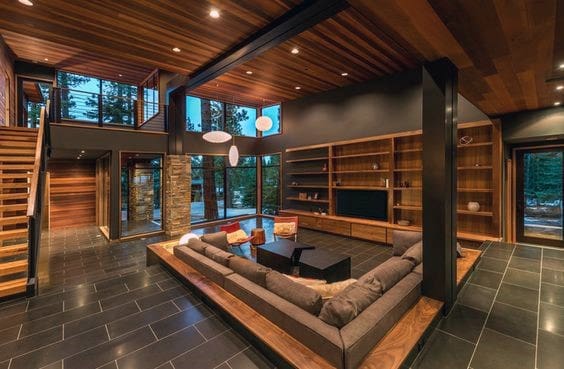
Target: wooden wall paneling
(73,192)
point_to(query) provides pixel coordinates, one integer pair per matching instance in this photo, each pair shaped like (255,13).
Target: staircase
(17,159)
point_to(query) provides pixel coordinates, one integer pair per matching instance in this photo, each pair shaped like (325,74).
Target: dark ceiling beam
(295,21)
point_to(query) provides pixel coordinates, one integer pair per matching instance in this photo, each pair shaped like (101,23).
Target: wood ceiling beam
(292,23)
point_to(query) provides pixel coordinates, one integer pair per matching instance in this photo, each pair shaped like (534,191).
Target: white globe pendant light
(263,123)
(217,136)
(233,156)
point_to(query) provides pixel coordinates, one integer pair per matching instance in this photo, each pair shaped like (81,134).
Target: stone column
(141,193)
(177,196)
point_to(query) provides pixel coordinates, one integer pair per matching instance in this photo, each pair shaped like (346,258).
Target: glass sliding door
(241,194)
(540,195)
(141,193)
(270,184)
(208,195)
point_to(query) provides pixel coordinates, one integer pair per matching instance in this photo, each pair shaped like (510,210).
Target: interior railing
(108,110)
(36,195)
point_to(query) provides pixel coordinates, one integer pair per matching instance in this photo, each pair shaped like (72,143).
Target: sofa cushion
(197,245)
(346,306)
(388,273)
(402,240)
(217,239)
(306,281)
(297,294)
(414,253)
(252,271)
(214,271)
(330,290)
(218,255)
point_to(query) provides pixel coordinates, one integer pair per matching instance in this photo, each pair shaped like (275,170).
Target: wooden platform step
(13,207)
(13,234)
(20,219)
(13,267)
(14,196)
(13,250)
(13,287)
(17,152)
(17,159)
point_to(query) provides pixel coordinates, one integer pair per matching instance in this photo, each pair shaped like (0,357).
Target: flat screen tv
(368,204)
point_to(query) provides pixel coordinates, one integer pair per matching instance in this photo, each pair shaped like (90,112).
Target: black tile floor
(510,314)
(101,307)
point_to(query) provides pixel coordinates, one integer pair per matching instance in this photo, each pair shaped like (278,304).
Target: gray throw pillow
(414,253)
(348,304)
(404,240)
(218,255)
(388,273)
(197,245)
(217,239)
(254,272)
(297,294)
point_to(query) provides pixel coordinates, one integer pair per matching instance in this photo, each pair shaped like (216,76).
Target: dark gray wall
(467,112)
(535,125)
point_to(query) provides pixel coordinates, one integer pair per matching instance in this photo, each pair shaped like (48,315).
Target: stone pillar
(141,193)
(177,197)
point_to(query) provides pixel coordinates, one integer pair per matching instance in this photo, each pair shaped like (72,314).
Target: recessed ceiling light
(26,2)
(344,74)
(295,51)
(557,103)
(561,66)
(214,13)
(176,49)
(249,72)
(298,88)
(560,87)
(120,75)
(46,59)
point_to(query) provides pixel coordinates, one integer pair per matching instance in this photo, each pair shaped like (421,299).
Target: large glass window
(203,115)
(270,184)
(151,96)
(208,192)
(273,112)
(240,120)
(242,187)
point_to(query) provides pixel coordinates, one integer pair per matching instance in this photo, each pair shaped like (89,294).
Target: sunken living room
(345,184)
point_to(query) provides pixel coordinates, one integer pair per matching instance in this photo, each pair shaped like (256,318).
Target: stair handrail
(36,165)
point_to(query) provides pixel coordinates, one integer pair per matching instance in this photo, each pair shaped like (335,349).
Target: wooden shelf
(477,144)
(471,190)
(407,151)
(359,188)
(361,171)
(481,167)
(307,200)
(361,155)
(308,186)
(408,207)
(307,159)
(476,213)
(408,188)
(408,169)
(306,173)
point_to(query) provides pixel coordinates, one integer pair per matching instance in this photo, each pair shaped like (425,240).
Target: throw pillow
(217,239)
(284,228)
(414,253)
(236,236)
(404,240)
(254,272)
(299,295)
(330,290)
(218,255)
(306,281)
(197,245)
(388,273)
(348,304)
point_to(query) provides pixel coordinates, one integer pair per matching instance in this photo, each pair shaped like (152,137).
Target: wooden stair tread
(12,137)
(16,167)
(13,234)
(13,267)
(20,129)
(20,219)
(14,143)
(14,196)
(13,207)
(17,159)
(4,185)
(15,175)
(13,250)
(12,287)
(17,151)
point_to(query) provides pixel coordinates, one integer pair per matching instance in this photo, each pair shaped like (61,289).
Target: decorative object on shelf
(473,206)
(217,136)
(406,184)
(323,212)
(294,183)
(316,195)
(401,184)
(309,196)
(324,167)
(375,166)
(404,222)
(263,123)
(477,164)
(302,196)
(466,140)
(337,183)
(387,182)
(233,154)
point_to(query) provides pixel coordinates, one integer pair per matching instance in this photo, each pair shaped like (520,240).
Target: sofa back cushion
(402,240)
(197,245)
(414,254)
(299,295)
(217,239)
(348,304)
(218,255)
(252,271)
(388,273)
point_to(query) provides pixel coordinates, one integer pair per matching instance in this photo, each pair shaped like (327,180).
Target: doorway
(539,195)
(32,96)
(103,194)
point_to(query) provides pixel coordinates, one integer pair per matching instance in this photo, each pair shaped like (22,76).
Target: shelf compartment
(475,144)
(405,151)
(361,155)
(307,159)
(361,171)
(321,201)
(476,213)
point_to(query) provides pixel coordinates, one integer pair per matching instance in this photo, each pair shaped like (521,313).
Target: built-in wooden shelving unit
(396,161)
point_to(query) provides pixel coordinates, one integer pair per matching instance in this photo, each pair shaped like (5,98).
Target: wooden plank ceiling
(505,50)
(96,36)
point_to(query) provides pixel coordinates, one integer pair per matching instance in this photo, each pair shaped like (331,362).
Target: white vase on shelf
(473,206)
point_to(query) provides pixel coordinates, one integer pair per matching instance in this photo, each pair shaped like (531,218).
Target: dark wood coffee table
(281,255)
(321,264)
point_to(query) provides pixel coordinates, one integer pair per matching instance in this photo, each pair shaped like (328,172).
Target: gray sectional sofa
(342,329)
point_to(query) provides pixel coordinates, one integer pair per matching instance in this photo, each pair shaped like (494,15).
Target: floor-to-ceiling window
(220,191)
(141,193)
(274,113)
(270,184)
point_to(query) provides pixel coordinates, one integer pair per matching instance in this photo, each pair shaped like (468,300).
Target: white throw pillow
(306,281)
(329,290)
(284,228)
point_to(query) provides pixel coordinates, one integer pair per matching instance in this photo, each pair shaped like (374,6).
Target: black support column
(440,101)
(176,120)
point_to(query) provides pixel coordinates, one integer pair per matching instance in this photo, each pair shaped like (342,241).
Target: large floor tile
(552,294)
(486,278)
(552,263)
(497,351)
(553,276)
(529,252)
(551,318)
(527,264)
(477,297)
(492,264)
(444,351)
(518,296)
(249,359)
(513,322)
(464,322)
(550,351)
(522,278)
